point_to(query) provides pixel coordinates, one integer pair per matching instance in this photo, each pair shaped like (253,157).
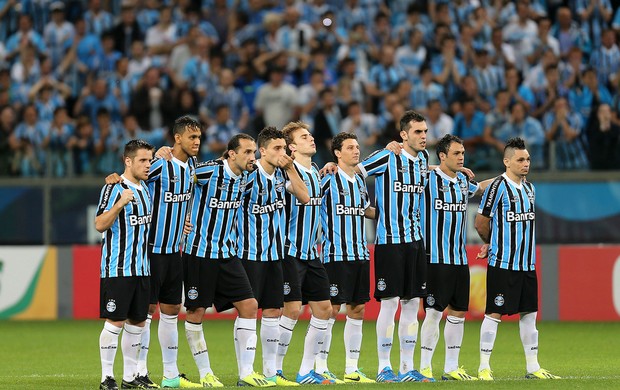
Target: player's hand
(188,227)
(113,178)
(394,147)
(285,162)
(165,152)
(470,174)
(484,252)
(330,167)
(126,197)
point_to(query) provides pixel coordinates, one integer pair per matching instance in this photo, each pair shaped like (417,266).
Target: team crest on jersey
(192,293)
(381,285)
(279,185)
(530,196)
(364,195)
(499,300)
(307,183)
(430,300)
(333,290)
(287,288)
(464,188)
(423,170)
(111,306)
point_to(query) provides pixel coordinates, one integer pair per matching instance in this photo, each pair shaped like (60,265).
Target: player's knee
(322,310)
(195,315)
(356,312)
(292,310)
(152,308)
(248,308)
(171,310)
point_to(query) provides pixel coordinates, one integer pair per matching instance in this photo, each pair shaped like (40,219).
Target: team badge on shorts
(111,306)
(381,285)
(333,290)
(287,288)
(430,300)
(499,300)
(192,293)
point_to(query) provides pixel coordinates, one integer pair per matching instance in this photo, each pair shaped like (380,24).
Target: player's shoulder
(210,163)
(380,153)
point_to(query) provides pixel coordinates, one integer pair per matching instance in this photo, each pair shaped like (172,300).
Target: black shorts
(124,297)
(400,270)
(511,292)
(166,278)
(304,280)
(267,281)
(447,285)
(349,281)
(217,282)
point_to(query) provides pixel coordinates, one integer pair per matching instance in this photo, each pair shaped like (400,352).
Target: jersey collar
(262,170)
(445,176)
(344,174)
(228,170)
(518,185)
(131,184)
(410,157)
(179,162)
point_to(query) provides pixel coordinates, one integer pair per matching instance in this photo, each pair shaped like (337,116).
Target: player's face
(274,149)
(140,164)
(519,163)
(189,141)
(303,143)
(245,155)
(349,155)
(414,140)
(455,158)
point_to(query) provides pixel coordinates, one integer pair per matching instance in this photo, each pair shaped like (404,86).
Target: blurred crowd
(79,78)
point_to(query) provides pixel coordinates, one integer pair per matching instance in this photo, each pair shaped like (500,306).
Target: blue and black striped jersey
(124,245)
(217,196)
(399,187)
(170,185)
(303,220)
(345,200)
(444,211)
(513,237)
(261,220)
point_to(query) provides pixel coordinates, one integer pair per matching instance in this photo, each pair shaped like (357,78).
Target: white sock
(168,334)
(385,331)
(198,346)
(145,341)
(246,340)
(529,339)
(236,342)
(488,331)
(313,343)
(352,344)
(130,346)
(286,333)
(453,335)
(429,335)
(269,337)
(321,357)
(408,332)
(108,343)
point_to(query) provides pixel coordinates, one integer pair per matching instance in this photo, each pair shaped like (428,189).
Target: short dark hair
(409,116)
(185,122)
(338,140)
(514,143)
(267,134)
(443,145)
(132,147)
(235,142)
(292,127)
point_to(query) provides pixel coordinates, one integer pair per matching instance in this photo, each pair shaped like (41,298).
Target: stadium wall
(577,283)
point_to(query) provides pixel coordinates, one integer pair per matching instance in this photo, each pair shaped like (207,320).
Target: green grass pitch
(64,355)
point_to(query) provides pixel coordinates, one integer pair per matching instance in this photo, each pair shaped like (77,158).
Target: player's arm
(483,186)
(105,220)
(483,227)
(297,186)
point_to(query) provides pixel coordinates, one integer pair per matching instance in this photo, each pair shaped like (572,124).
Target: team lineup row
(244,233)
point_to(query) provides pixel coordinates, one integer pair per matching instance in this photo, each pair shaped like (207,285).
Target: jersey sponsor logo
(111,306)
(135,220)
(192,293)
(511,216)
(333,290)
(349,210)
(268,208)
(499,300)
(443,188)
(215,203)
(381,285)
(311,202)
(409,188)
(169,197)
(491,194)
(430,300)
(287,288)
(447,206)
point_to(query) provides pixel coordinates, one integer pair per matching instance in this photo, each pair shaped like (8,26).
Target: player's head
(138,155)
(451,153)
(298,139)
(516,157)
(271,144)
(413,131)
(241,152)
(187,132)
(346,149)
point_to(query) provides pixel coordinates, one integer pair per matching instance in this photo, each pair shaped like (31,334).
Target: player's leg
(429,335)
(268,276)
(353,343)
(157,264)
(145,342)
(108,338)
(138,292)
(293,273)
(499,297)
